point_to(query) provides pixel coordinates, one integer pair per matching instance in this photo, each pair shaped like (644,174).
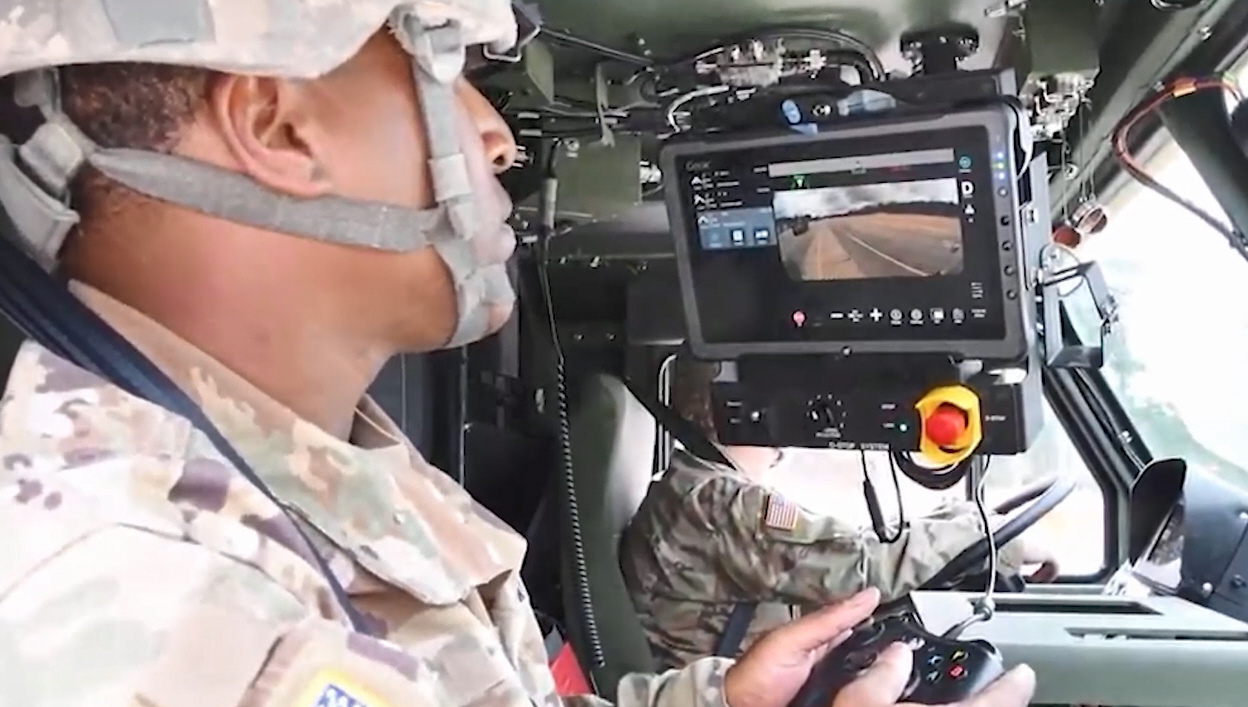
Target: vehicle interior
(1095,378)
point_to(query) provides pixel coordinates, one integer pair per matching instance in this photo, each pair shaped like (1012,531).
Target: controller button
(933,676)
(860,660)
(915,643)
(957,672)
(958,656)
(935,659)
(869,631)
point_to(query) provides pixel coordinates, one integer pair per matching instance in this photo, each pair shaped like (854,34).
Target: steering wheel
(1043,497)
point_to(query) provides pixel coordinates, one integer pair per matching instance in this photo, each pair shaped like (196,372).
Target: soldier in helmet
(268,199)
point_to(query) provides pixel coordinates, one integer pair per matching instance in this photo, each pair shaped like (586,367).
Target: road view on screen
(892,229)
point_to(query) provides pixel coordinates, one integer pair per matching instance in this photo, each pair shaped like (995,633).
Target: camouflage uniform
(137,567)
(707,538)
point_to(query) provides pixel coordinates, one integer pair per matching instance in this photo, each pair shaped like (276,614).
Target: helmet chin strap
(437,61)
(37,198)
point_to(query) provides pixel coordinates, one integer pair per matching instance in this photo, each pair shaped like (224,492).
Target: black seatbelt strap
(685,432)
(735,629)
(48,313)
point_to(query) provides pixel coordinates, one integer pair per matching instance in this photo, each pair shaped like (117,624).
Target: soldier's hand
(883,683)
(776,667)
(1036,551)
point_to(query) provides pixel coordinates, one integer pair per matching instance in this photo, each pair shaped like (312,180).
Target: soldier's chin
(500,245)
(500,313)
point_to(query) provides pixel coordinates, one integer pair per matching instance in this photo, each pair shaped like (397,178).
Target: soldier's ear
(270,128)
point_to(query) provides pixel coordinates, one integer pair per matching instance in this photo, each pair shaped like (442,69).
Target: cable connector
(983,608)
(1184,86)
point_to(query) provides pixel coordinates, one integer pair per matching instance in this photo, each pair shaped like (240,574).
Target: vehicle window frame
(1112,498)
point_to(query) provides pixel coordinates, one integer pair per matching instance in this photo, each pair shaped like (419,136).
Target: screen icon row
(719,238)
(895,316)
(935,315)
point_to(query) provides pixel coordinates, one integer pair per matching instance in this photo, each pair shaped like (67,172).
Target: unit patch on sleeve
(330,689)
(781,513)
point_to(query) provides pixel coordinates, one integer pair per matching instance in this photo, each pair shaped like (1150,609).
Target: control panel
(905,417)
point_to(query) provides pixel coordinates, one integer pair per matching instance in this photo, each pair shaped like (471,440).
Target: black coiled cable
(584,597)
(938,479)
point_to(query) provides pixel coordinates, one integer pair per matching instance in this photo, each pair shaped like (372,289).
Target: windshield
(1177,355)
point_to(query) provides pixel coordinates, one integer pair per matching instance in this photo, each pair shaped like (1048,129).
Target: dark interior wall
(402,390)
(10,341)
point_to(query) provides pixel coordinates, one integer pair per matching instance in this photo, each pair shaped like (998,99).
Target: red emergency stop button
(951,424)
(946,425)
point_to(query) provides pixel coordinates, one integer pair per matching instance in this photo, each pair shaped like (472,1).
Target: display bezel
(1008,290)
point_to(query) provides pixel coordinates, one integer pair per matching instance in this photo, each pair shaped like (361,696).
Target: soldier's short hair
(133,105)
(691,392)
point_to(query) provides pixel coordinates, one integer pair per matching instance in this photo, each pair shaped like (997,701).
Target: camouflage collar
(377,498)
(689,462)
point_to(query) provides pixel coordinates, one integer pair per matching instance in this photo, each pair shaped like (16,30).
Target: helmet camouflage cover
(294,38)
(281,38)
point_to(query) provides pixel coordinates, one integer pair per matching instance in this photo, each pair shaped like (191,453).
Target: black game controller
(945,671)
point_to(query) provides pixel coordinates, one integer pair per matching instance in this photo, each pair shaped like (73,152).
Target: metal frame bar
(1142,49)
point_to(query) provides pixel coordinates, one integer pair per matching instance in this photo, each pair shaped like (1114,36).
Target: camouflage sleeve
(698,684)
(133,616)
(770,546)
(1010,557)
(96,611)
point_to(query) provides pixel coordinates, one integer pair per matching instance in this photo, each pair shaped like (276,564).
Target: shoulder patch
(781,513)
(329,688)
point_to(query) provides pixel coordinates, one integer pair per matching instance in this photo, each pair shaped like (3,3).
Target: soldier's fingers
(882,683)
(815,630)
(1014,689)
(819,653)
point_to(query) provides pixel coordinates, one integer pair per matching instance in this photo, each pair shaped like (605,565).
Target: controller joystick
(945,671)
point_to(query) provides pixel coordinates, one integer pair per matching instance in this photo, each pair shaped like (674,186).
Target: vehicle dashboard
(1113,651)
(1166,630)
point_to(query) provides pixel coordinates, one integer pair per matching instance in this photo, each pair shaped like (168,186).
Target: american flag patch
(781,513)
